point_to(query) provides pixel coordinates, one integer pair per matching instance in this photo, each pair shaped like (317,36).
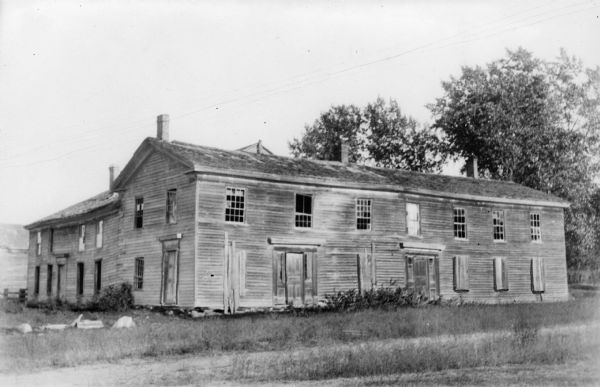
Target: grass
(157,335)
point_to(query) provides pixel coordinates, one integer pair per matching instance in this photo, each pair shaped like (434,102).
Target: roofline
(376,187)
(98,212)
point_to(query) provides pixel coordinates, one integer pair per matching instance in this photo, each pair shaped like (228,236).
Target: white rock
(24,328)
(196,314)
(124,322)
(54,327)
(90,324)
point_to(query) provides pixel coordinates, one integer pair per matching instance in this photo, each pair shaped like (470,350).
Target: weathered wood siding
(270,214)
(66,241)
(156,175)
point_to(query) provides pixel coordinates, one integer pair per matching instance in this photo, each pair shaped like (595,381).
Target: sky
(81,83)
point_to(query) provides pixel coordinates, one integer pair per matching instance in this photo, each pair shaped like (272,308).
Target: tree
(533,122)
(379,134)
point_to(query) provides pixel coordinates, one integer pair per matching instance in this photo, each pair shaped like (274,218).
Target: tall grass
(158,335)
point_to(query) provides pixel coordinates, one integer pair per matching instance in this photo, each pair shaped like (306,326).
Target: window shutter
(504,274)
(537,275)
(242,271)
(500,274)
(461,273)
(432,279)
(410,282)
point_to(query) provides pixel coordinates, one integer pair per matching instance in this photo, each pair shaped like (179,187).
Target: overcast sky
(81,84)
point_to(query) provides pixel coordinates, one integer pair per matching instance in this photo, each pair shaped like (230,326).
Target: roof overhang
(329,183)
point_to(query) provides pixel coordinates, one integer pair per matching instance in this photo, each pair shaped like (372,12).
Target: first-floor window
(98,276)
(36,285)
(461,273)
(80,275)
(138,276)
(500,274)
(49,281)
(538,280)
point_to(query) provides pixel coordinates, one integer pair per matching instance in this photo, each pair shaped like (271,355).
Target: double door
(294,278)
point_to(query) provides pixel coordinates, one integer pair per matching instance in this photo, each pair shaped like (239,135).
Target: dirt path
(206,369)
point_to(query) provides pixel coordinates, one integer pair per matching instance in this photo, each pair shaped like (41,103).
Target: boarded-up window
(80,276)
(363,214)
(81,237)
(538,280)
(98,276)
(138,220)
(536,231)
(461,273)
(500,274)
(49,281)
(38,243)
(99,233)
(413,219)
(236,205)
(36,285)
(460,223)
(303,210)
(138,276)
(498,225)
(172,206)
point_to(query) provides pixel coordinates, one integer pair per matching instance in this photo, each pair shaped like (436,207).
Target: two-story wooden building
(190,225)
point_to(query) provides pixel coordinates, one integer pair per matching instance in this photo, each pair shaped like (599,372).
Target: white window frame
(171,206)
(364,211)
(409,221)
(499,229)
(309,215)
(457,225)
(536,230)
(234,212)
(138,273)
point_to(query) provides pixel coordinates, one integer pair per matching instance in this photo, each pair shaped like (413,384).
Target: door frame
(170,244)
(309,252)
(432,264)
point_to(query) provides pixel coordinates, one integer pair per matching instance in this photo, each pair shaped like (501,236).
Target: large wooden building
(191,226)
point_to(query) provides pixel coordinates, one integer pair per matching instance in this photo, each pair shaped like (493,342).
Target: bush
(116,298)
(376,298)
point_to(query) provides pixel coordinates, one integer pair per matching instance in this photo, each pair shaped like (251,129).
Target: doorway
(294,278)
(422,275)
(170,274)
(60,280)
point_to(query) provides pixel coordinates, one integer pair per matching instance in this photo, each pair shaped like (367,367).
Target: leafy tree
(533,122)
(379,134)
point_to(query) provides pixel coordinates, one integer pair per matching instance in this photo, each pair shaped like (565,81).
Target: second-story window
(498,225)
(460,223)
(38,243)
(413,219)
(363,214)
(138,221)
(303,213)
(81,237)
(99,233)
(172,206)
(51,240)
(236,205)
(536,231)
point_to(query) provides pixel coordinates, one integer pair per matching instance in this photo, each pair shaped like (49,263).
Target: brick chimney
(162,127)
(113,172)
(344,151)
(472,168)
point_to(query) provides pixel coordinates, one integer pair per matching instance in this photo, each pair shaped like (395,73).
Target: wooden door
(420,277)
(294,279)
(170,277)
(60,280)
(279,278)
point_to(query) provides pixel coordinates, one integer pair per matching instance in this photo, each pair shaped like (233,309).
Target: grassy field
(311,346)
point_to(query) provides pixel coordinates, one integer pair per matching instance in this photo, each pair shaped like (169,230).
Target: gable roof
(207,160)
(257,147)
(105,200)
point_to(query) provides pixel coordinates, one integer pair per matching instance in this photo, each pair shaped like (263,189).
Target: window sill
(420,236)
(500,241)
(461,239)
(236,224)
(536,242)
(303,229)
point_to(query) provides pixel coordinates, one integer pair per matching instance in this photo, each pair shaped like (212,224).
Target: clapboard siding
(270,214)
(156,175)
